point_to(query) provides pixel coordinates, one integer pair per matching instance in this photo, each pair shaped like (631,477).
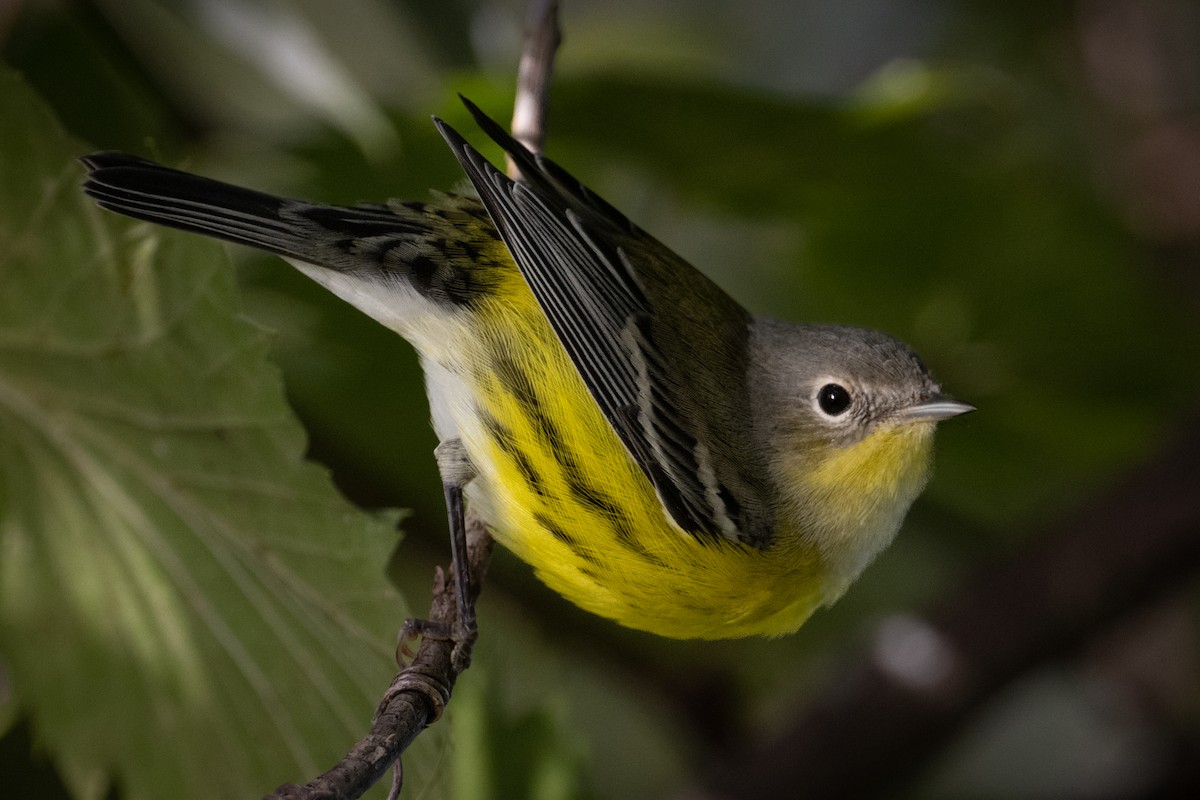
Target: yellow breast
(851,500)
(559,489)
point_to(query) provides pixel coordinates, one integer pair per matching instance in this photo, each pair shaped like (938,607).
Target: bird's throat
(856,497)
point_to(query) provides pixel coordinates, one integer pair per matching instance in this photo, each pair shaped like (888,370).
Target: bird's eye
(833,399)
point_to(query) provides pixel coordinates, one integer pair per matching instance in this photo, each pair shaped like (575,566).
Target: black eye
(833,399)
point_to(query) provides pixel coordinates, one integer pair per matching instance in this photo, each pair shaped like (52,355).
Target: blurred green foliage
(171,562)
(947,191)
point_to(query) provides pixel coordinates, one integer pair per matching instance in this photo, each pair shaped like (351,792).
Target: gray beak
(936,409)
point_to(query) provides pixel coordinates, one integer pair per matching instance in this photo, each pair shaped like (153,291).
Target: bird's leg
(457,472)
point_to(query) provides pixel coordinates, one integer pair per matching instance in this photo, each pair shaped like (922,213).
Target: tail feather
(447,252)
(148,191)
(297,229)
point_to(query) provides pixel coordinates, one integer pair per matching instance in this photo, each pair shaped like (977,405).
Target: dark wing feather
(660,347)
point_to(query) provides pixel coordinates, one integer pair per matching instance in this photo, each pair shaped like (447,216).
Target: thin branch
(416,698)
(420,691)
(890,712)
(536,70)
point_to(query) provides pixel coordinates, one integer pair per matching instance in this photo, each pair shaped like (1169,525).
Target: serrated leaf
(187,607)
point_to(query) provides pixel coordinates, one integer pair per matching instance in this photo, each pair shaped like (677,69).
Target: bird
(658,455)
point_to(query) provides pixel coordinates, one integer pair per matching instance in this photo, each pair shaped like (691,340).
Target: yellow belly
(559,489)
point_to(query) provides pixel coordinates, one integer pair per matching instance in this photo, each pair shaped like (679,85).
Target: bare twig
(420,691)
(542,39)
(414,700)
(888,714)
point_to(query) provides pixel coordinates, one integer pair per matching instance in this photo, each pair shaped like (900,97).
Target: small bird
(657,454)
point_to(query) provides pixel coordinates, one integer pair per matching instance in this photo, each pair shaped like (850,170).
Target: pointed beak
(936,409)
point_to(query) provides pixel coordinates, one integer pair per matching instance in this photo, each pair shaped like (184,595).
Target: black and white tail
(433,248)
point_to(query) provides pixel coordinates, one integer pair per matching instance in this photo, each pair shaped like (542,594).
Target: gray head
(846,416)
(841,383)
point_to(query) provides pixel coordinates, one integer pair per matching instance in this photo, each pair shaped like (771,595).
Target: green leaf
(187,607)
